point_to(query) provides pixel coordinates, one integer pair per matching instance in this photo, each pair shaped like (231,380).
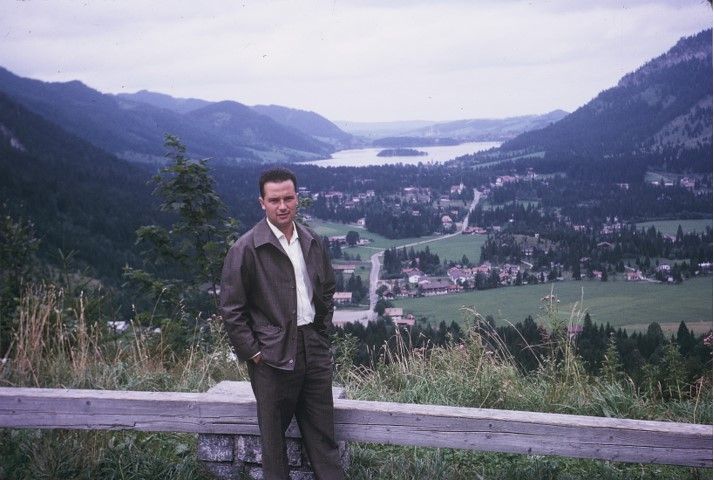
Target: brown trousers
(306,393)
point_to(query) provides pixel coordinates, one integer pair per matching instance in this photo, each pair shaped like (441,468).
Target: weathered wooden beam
(622,440)
(577,436)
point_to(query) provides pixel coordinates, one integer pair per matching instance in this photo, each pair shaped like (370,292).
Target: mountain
(481,130)
(664,107)
(161,100)
(372,130)
(472,130)
(135,130)
(80,198)
(241,125)
(309,123)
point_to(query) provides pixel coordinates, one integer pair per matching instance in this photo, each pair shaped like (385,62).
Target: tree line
(650,359)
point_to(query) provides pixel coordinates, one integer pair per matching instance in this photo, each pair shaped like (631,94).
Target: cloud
(349,59)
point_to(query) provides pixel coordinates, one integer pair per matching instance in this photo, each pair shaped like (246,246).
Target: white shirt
(303,286)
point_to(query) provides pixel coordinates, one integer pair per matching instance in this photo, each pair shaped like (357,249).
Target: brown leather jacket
(258,300)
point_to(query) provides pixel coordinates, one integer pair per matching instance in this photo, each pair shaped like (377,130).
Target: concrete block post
(232,457)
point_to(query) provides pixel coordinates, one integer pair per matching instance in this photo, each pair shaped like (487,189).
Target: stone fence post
(232,457)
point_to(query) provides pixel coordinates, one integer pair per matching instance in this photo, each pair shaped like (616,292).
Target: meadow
(669,227)
(378,243)
(454,248)
(631,305)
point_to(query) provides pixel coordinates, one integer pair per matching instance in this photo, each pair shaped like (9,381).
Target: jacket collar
(263,235)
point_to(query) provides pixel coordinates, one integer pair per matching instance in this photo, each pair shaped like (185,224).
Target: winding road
(366,316)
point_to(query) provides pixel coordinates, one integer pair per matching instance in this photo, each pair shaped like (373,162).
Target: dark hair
(276,175)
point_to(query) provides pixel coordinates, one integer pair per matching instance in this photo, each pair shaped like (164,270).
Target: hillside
(80,198)
(663,107)
(135,130)
(480,130)
(469,130)
(240,125)
(309,123)
(161,100)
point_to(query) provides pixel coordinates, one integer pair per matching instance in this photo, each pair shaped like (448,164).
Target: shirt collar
(279,234)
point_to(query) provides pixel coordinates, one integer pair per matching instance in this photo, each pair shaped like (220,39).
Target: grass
(378,243)
(669,227)
(57,344)
(469,375)
(453,248)
(632,305)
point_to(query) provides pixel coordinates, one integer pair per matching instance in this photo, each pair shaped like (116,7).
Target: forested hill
(161,100)
(488,130)
(309,123)
(241,125)
(135,130)
(663,107)
(80,198)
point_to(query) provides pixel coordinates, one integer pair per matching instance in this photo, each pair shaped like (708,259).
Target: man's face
(279,201)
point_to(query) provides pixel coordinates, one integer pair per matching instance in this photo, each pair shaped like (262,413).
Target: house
(457,189)
(504,179)
(395,313)
(344,266)
(634,276)
(341,240)
(342,298)
(460,274)
(484,268)
(334,195)
(413,274)
(688,183)
(406,321)
(438,287)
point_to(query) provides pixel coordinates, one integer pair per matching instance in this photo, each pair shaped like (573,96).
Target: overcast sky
(350,60)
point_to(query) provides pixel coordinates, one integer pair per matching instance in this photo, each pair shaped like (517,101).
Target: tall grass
(58,343)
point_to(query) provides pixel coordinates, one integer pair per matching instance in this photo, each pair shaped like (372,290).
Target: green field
(378,241)
(669,227)
(453,248)
(632,305)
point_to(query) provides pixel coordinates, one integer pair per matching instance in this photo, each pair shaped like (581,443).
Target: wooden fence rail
(577,436)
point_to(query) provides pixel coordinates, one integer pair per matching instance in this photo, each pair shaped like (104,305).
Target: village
(450,205)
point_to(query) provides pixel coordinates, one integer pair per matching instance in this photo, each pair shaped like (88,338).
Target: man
(276,301)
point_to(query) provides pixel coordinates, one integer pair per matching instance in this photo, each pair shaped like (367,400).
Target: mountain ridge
(134,130)
(663,105)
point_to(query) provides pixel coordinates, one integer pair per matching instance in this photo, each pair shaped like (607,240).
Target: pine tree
(183,263)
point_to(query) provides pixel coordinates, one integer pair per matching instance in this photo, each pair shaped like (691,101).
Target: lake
(364,157)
